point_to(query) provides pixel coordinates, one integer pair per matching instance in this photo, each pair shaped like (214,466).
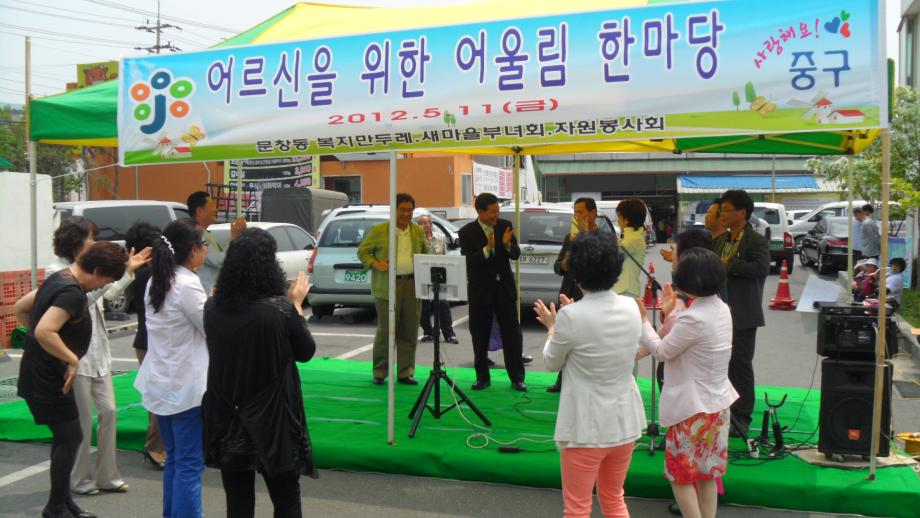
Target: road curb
(909,342)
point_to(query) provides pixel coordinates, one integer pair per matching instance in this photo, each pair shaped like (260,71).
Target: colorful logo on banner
(646,73)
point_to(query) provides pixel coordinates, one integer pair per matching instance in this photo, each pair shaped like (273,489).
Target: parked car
(295,245)
(114,218)
(360,209)
(337,277)
(795,215)
(826,245)
(782,246)
(540,235)
(829,210)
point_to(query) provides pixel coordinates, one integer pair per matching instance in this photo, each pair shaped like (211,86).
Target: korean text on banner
(667,71)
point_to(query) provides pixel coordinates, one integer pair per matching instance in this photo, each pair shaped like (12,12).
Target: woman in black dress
(253,409)
(59,331)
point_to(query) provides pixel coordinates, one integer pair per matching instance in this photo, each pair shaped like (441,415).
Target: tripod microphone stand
(653,432)
(438,276)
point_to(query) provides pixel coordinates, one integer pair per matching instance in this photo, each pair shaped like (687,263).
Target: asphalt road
(785,356)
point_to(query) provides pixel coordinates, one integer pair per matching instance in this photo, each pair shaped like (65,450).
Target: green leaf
(844,15)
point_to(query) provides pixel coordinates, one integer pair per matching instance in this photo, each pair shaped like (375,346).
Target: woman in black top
(59,331)
(139,237)
(253,409)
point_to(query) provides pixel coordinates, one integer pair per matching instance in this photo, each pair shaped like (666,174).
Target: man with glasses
(746,256)
(203,209)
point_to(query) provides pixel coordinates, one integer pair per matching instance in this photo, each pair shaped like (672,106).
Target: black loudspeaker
(849,331)
(845,421)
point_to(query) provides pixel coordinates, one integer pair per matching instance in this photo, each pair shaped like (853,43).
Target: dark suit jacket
(746,274)
(481,270)
(569,287)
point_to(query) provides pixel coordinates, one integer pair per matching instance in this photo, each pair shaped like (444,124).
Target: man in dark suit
(746,256)
(489,246)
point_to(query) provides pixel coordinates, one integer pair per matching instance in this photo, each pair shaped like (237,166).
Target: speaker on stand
(846,337)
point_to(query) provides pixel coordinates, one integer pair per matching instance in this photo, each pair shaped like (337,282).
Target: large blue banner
(680,70)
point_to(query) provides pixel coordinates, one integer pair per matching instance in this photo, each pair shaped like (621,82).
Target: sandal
(123,488)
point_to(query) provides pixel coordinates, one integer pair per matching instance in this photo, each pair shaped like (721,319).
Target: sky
(69,32)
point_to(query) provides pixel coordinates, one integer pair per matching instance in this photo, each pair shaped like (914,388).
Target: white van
(609,208)
(782,245)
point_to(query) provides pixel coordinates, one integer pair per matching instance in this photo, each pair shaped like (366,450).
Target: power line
(64,34)
(67,17)
(33,82)
(56,8)
(186,21)
(94,56)
(71,41)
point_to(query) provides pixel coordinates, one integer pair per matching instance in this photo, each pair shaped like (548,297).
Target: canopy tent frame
(95,126)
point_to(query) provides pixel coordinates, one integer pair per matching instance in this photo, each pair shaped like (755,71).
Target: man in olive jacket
(374,252)
(746,256)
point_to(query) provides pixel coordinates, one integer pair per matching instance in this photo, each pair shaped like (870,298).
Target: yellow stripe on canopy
(316,20)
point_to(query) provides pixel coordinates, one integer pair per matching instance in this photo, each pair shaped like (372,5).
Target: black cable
(527,401)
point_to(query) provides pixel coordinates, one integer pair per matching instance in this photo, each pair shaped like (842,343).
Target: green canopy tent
(89,116)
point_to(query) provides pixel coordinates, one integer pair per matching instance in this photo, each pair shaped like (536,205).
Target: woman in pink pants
(594,341)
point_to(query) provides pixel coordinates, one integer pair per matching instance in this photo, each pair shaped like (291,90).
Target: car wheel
(322,310)
(803,257)
(119,305)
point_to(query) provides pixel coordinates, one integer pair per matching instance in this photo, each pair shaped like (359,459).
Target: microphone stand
(653,431)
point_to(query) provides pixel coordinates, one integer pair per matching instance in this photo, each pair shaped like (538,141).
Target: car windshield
(548,228)
(114,222)
(346,233)
(768,214)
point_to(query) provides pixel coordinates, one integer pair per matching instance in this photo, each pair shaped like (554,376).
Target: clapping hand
(667,254)
(298,290)
(490,244)
(136,260)
(668,299)
(642,311)
(237,227)
(506,237)
(381,266)
(545,315)
(564,300)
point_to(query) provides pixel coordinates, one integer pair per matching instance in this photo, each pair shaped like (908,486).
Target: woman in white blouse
(173,377)
(594,341)
(696,394)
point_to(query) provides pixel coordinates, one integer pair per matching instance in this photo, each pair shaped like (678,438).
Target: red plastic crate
(7,324)
(13,286)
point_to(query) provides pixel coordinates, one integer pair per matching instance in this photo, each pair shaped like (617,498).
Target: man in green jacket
(374,252)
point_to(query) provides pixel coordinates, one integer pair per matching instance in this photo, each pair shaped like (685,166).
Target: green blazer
(376,247)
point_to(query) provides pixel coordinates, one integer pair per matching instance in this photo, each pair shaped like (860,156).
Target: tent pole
(850,223)
(880,346)
(773,182)
(239,189)
(517,224)
(391,307)
(33,180)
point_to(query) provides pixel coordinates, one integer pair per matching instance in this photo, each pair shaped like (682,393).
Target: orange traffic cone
(783,299)
(650,298)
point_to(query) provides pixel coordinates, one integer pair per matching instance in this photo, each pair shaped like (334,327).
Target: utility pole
(33,168)
(158,29)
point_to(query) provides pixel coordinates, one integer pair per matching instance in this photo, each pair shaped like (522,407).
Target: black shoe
(61,512)
(554,388)
(427,338)
(481,385)
(154,462)
(526,359)
(452,339)
(77,512)
(673,508)
(490,362)
(520,386)
(378,381)
(409,380)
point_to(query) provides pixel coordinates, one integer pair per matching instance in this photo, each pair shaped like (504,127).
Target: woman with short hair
(696,397)
(253,409)
(593,341)
(60,328)
(172,378)
(631,219)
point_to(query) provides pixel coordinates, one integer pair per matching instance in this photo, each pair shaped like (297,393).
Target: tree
(749,93)
(867,166)
(54,161)
(736,100)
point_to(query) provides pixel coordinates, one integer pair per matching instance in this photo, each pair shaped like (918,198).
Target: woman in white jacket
(593,341)
(697,394)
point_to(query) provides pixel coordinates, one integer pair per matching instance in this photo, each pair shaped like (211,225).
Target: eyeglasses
(203,243)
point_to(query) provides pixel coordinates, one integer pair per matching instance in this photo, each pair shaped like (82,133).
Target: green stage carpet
(347,419)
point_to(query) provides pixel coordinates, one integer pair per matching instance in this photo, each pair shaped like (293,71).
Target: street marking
(367,347)
(24,473)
